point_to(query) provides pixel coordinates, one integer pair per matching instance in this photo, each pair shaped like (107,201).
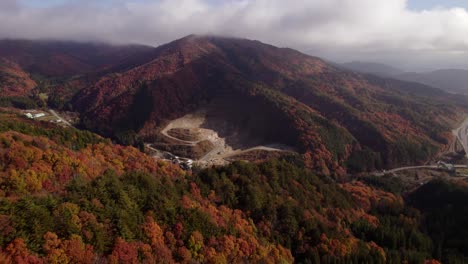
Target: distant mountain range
(450,80)
(373,68)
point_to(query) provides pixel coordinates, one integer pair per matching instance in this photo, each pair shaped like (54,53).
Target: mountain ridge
(331,115)
(188,72)
(64,58)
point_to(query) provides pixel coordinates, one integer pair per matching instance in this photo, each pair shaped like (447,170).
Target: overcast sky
(413,34)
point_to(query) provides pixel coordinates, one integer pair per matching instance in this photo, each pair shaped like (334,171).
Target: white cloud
(371,29)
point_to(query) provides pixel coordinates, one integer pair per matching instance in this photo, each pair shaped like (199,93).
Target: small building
(446,167)
(38,115)
(29,115)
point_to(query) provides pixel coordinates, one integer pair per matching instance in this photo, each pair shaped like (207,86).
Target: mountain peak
(258,88)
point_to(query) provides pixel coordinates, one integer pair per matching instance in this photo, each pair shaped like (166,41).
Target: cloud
(381,30)
(8,5)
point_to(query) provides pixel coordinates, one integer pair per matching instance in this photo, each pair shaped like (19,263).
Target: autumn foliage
(341,121)
(69,196)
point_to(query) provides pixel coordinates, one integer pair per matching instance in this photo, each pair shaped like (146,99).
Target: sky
(428,4)
(409,34)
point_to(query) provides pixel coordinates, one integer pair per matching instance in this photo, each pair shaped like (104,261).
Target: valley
(449,163)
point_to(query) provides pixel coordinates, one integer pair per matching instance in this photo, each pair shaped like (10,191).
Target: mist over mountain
(387,31)
(65,58)
(450,80)
(373,68)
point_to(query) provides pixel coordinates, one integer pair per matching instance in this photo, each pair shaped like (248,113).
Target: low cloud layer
(376,30)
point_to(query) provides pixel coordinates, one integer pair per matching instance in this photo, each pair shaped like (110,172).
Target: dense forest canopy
(68,196)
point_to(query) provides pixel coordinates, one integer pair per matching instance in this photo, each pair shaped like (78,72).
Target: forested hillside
(340,120)
(68,196)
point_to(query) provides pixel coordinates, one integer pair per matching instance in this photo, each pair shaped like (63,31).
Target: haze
(412,35)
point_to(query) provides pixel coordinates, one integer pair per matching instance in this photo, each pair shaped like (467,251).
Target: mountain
(335,117)
(252,95)
(14,81)
(60,59)
(451,80)
(50,72)
(372,68)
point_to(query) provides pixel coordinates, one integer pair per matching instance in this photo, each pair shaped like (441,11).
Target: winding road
(60,118)
(425,167)
(221,150)
(461,134)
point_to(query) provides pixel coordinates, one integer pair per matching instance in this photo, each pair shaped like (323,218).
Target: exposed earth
(201,137)
(461,135)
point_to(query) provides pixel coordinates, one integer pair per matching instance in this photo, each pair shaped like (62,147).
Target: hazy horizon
(413,35)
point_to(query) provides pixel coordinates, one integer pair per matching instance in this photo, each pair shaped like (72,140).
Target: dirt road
(461,134)
(221,150)
(425,167)
(191,121)
(60,118)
